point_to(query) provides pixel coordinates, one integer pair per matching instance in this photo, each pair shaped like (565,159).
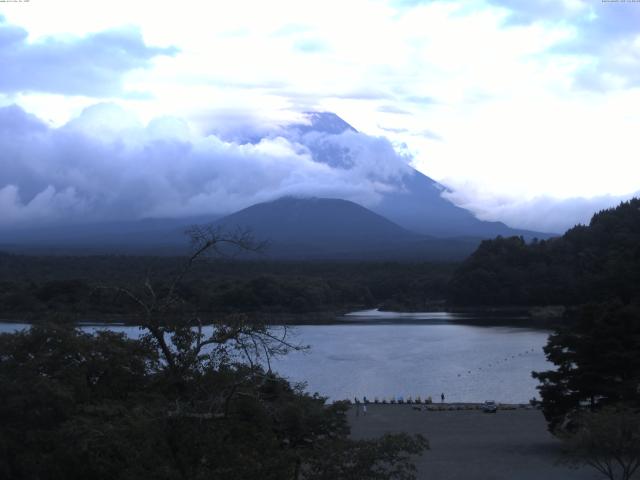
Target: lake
(385,354)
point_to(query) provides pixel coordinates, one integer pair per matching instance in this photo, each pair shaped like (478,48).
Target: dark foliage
(35,286)
(597,358)
(189,399)
(588,263)
(77,406)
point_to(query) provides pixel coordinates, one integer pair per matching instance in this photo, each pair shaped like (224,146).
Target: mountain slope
(420,207)
(334,228)
(318,221)
(415,202)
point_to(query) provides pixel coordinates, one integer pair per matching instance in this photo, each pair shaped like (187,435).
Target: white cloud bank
(541,214)
(106,165)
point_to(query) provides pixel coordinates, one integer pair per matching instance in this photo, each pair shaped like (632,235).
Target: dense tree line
(590,263)
(74,285)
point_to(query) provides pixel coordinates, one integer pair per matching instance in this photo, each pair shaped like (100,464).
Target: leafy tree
(54,377)
(189,399)
(608,441)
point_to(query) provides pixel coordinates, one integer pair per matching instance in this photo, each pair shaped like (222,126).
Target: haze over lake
(391,354)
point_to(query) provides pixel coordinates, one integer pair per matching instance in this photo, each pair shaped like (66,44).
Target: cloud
(541,213)
(290,29)
(363,93)
(431,135)
(311,45)
(605,33)
(392,109)
(527,12)
(14,120)
(92,65)
(107,165)
(419,99)
(411,3)
(393,130)
(597,21)
(47,206)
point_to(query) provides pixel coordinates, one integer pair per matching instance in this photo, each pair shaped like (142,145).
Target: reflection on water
(376,314)
(466,363)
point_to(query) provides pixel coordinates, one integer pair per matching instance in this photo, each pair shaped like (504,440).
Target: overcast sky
(529,111)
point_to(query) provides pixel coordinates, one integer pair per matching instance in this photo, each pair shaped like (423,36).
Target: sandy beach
(470,444)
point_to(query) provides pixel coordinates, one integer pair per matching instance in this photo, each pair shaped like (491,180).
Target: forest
(595,262)
(78,287)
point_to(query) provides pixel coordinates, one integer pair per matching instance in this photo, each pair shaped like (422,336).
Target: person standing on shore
(364,409)
(442,398)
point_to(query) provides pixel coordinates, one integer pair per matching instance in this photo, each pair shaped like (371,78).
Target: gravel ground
(511,444)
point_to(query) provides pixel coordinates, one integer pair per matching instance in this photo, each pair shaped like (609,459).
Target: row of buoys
(417,400)
(506,359)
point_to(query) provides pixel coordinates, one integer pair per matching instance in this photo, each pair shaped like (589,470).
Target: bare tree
(179,333)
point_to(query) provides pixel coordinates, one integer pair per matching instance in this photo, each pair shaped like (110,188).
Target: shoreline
(502,316)
(443,407)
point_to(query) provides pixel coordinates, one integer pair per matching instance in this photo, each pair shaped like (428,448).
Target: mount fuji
(402,215)
(414,202)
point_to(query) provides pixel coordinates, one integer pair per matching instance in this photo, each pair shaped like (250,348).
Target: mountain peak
(324,122)
(317,221)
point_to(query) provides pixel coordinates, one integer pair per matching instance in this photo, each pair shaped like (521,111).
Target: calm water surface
(387,354)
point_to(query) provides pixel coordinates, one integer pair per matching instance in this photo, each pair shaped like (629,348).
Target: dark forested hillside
(72,285)
(588,263)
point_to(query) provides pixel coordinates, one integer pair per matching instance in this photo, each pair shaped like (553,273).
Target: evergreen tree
(597,262)
(597,358)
